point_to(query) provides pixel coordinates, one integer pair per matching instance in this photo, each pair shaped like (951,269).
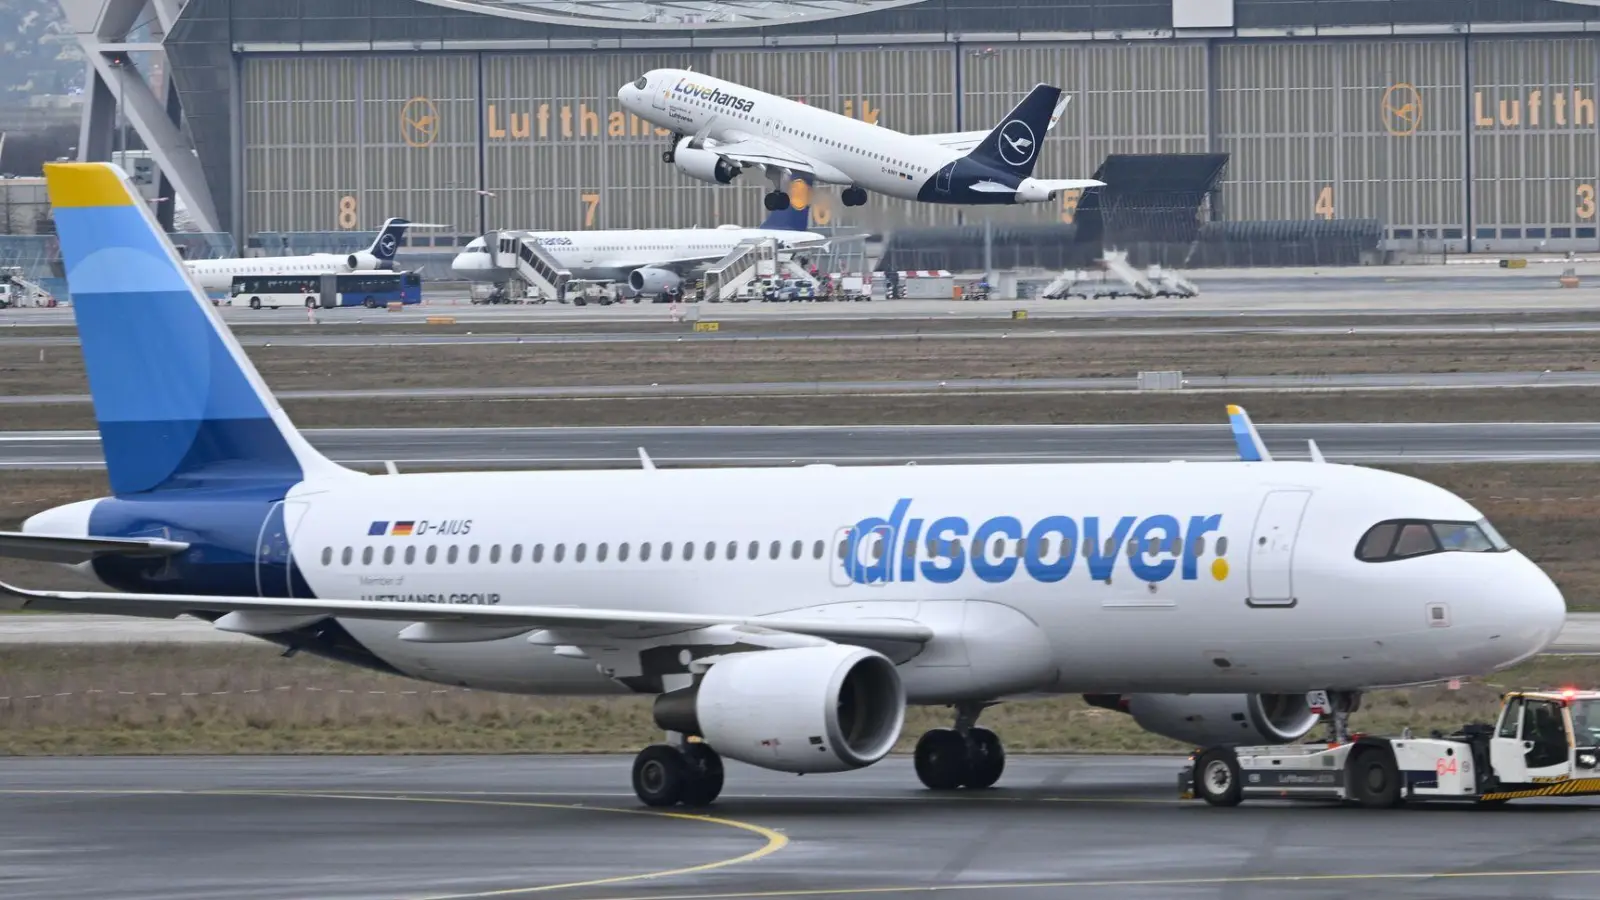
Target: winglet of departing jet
(1316,452)
(1251,447)
(645,460)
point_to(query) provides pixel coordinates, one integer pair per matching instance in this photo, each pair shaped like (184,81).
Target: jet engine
(653,281)
(803,709)
(1033,191)
(1205,720)
(704,164)
(364,262)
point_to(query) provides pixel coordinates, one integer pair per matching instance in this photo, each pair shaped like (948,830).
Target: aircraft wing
(496,621)
(755,151)
(72,550)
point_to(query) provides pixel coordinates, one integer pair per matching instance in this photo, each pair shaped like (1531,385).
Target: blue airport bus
(372,290)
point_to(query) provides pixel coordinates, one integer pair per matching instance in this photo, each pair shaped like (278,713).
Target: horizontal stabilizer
(512,619)
(73,550)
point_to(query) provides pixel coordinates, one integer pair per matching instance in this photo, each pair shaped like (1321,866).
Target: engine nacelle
(1033,191)
(653,281)
(1205,720)
(704,164)
(805,709)
(365,262)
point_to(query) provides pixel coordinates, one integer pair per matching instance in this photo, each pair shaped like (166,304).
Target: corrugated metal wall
(1535,152)
(1348,130)
(1363,128)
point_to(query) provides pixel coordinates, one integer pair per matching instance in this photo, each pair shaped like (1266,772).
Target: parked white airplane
(721,128)
(218,274)
(786,616)
(648,261)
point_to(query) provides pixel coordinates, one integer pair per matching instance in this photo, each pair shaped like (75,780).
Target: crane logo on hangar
(1402,110)
(419,122)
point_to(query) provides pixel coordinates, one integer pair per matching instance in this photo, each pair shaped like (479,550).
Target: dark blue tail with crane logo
(1013,146)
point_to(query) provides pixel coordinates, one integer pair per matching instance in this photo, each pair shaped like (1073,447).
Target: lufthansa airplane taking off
(784,616)
(721,128)
(647,260)
(218,274)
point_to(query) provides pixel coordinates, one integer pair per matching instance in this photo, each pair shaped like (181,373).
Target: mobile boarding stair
(1129,282)
(543,275)
(17,289)
(728,275)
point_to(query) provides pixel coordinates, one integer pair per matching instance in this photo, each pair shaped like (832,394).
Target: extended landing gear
(670,155)
(667,775)
(1340,705)
(776,200)
(964,756)
(853,196)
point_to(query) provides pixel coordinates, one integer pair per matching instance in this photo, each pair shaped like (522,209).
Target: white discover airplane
(721,128)
(648,261)
(218,274)
(785,616)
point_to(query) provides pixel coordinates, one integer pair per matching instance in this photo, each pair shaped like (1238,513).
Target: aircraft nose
(1541,604)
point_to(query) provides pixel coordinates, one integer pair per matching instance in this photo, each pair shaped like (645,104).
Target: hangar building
(1456,124)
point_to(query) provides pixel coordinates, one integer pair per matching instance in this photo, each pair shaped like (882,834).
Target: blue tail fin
(798,216)
(1013,146)
(178,403)
(388,239)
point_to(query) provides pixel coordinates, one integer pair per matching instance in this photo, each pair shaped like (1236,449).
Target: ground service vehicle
(1545,744)
(369,289)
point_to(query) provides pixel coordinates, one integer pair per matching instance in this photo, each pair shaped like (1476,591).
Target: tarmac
(361,828)
(1402,442)
(1363,381)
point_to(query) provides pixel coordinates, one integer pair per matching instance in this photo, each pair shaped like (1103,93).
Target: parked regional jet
(648,261)
(721,128)
(786,615)
(218,274)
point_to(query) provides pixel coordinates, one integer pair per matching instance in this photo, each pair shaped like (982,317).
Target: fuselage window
(1222,546)
(579,552)
(733,550)
(559,553)
(536,555)
(755,550)
(666,551)
(796,549)
(327,556)
(711,550)
(494,553)
(433,554)
(388,556)
(818,549)
(411,555)
(472,554)
(347,556)
(451,555)
(644,552)
(366,556)
(622,552)
(999,548)
(844,549)
(600,552)
(516,553)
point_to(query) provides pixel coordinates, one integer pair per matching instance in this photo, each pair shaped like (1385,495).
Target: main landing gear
(670,774)
(853,196)
(776,200)
(964,756)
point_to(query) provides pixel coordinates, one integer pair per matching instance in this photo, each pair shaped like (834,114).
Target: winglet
(1251,447)
(1316,452)
(645,460)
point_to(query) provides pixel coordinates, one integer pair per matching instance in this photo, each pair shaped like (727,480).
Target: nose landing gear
(964,756)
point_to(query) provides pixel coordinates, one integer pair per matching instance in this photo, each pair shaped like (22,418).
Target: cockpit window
(1406,538)
(641,83)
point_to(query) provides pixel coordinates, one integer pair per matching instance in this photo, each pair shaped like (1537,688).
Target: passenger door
(943,184)
(1272,548)
(274,553)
